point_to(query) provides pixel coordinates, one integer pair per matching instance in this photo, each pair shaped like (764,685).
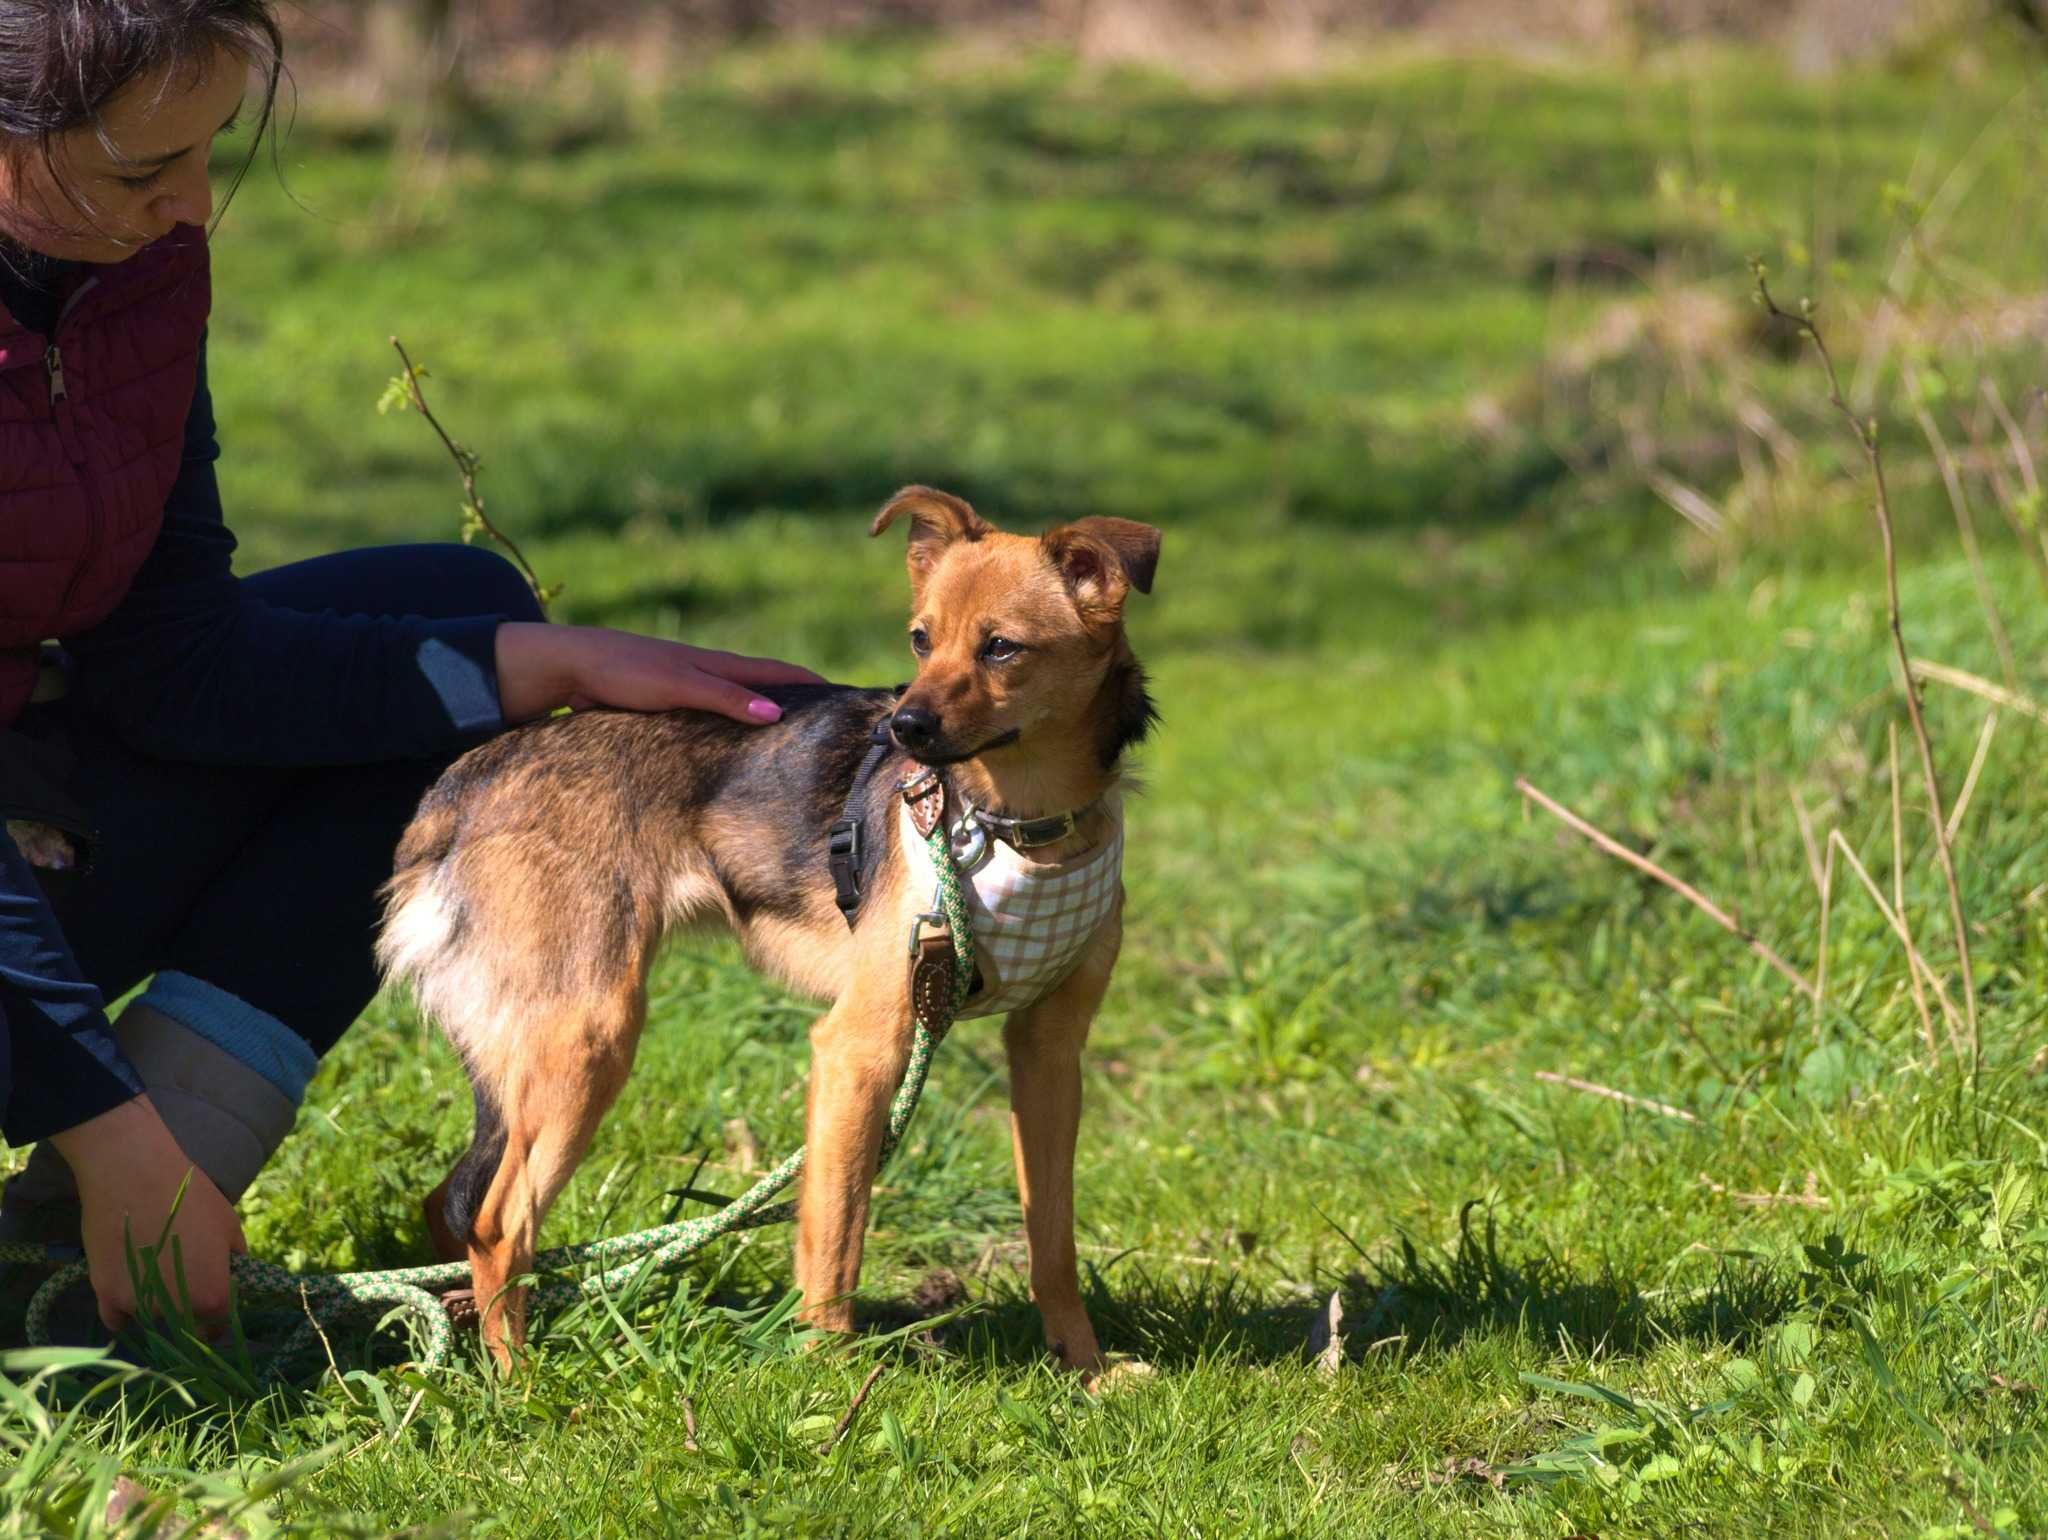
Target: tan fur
(538,880)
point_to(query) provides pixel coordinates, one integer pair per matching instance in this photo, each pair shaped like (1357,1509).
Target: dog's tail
(420,947)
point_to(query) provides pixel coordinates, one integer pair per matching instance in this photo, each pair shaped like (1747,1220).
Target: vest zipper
(60,393)
(67,432)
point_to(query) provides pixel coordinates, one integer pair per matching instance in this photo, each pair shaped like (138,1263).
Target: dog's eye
(920,641)
(999,649)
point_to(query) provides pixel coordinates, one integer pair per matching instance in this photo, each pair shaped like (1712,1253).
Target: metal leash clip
(942,931)
(969,840)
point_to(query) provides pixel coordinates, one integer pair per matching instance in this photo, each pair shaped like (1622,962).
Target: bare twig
(1812,1197)
(1984,736)
(1806,840)
(466,466)
(1573,1083)
(1913,957)
(1891,732)
(1982,1525)
(1866,435)
(2033,541)
(689,1425)
(1966,530)
(1690,894)
(1326,1337)
(1820,970)
(1982,688)
(846,1421)
(2022,456)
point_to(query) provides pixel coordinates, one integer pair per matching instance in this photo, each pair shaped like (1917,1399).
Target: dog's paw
(1118,1375)
(41,845)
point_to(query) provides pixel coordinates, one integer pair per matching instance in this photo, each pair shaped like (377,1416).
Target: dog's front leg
(858,1051)
(1044,1044)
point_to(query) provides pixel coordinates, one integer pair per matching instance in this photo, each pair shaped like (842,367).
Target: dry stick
(1806,839)
(1913,957)
(2022,456)
(465,467)
(1977,685)
(1866,435)
(1811,1198)
(1955,815)
(1820,980)
(1648,868)
(689,1425)
(1959,502)
(1993,462)
(1572,1083)
(1823,873)
(846,1421)
(1891,732)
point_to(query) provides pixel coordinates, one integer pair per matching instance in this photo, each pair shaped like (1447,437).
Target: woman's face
(105,193)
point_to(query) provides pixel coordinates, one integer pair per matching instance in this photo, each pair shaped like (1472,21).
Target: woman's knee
(488,583)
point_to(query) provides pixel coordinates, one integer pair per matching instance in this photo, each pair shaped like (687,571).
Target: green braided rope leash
(406,1291)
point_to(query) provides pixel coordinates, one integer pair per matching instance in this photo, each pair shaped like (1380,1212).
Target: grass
(697,335)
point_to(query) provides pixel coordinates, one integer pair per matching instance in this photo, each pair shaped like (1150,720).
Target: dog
(542,871)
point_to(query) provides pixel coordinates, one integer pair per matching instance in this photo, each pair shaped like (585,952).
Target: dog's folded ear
(1101,560)
(937,519)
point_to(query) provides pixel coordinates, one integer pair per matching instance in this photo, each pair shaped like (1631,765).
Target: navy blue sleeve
(191,666)
(59,1064)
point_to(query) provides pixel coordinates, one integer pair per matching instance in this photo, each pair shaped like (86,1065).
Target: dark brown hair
(63,61)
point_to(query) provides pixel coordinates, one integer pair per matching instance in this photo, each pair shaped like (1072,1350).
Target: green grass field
(698,335)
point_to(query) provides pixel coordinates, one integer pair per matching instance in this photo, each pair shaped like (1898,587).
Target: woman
(235,757)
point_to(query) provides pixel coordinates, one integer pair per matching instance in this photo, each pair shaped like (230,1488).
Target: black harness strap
(846,854)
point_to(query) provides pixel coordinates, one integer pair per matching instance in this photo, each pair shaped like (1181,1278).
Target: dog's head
(1019,641)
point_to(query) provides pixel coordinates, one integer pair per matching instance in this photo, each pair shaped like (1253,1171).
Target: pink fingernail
(764,710)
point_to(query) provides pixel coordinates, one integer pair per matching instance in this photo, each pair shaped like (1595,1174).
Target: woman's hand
(129,1170)
(541,667)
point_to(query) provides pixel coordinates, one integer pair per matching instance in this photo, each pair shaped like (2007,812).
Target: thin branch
(859,1397)
(2022,456)
(1820,970)
(1811,1198)
(2032,541)
(1982,688)
(1891,733)
(1806,840)
(1648,868)
(1573,1083)
(1913,957)
(1966,530)
(1984,737)
(1866,434)
(466,467)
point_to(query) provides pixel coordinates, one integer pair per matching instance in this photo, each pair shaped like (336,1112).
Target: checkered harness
(1031,919)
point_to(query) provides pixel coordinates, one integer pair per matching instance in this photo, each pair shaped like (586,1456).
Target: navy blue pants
(264,882)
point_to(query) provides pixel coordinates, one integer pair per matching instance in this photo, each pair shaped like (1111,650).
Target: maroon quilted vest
(92,424)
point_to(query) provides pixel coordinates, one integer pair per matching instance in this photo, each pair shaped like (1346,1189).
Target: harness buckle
(843,860)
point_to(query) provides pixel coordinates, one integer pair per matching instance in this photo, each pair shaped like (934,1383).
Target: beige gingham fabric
(1031,920)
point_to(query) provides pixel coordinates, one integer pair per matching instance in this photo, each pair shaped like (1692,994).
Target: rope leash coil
(407,1291)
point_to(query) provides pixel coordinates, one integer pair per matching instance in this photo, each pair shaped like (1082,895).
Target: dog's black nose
(916,729)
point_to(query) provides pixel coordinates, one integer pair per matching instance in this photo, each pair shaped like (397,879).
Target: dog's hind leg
(557,1089)
(1044,1044)
(858,1051)
(450,1208)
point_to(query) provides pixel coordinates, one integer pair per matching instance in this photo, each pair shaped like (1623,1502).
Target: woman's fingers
(734,665)
(709,692)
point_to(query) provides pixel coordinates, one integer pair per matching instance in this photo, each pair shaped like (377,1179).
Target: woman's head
(108,109)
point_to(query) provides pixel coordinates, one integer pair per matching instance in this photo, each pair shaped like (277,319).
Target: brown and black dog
(544,869)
